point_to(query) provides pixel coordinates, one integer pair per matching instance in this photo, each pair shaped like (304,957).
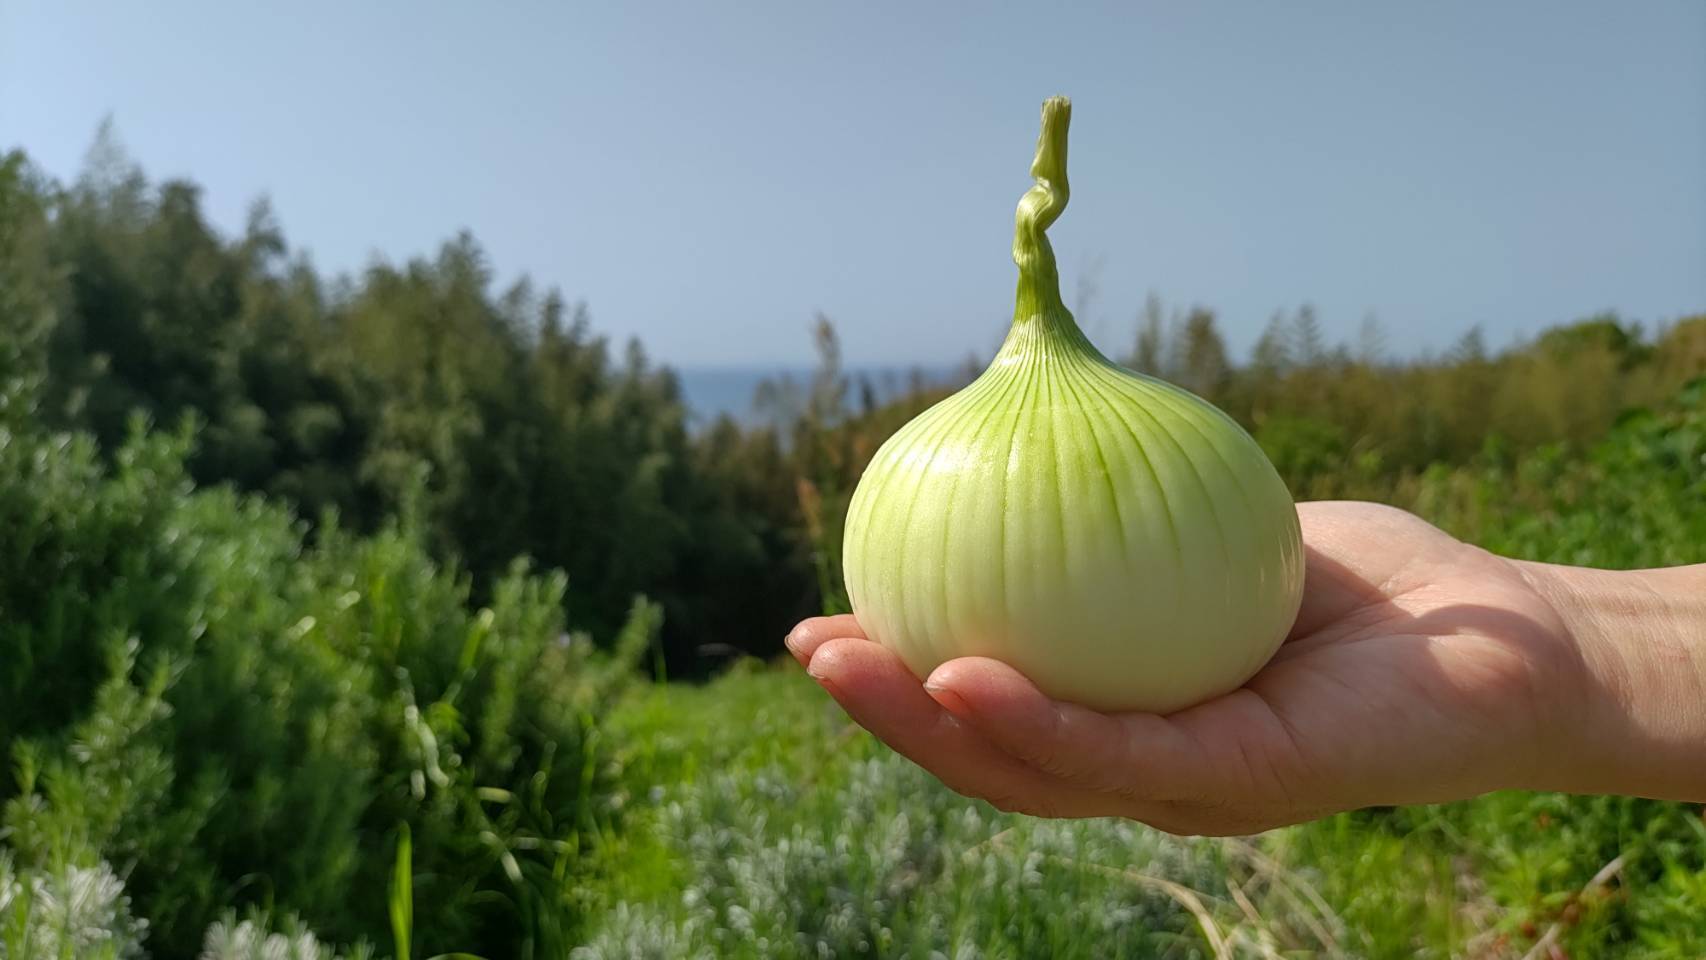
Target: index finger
(814,632)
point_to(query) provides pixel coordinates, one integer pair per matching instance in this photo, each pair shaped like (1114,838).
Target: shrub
(231,713)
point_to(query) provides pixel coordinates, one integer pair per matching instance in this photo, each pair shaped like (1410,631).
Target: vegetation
(234,713)
(778,830)
(297,567)
(528,435)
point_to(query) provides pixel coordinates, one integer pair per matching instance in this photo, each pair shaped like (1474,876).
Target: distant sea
(713,391)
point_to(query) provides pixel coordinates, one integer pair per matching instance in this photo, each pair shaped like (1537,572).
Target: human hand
(1420,669)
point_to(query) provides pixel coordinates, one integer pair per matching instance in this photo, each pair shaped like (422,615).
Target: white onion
(1117,539)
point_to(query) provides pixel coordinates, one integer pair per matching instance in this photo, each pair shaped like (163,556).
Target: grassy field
(767,826)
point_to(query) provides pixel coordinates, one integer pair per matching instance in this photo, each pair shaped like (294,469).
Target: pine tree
(1147,354)
(1308,340)
(1271,356)
(1371,341)
(1205,369)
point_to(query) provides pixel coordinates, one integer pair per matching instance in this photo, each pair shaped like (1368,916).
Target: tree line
(499,416)
(505,425)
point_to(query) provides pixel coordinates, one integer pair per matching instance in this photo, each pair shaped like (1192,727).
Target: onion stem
(1039,278)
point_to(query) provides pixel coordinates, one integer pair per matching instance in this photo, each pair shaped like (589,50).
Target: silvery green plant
(890,863)
(76,911)
(250,939)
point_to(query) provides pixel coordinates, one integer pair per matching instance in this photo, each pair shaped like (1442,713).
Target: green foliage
(1648,477)
(1344,421)
(238,715)
(762,846)
(1635,499)
(532,435)
(215,709)
(779,830)
(1337,422)
(521,432)
(403,895)
(29,288)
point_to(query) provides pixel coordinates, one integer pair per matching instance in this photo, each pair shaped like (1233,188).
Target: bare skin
(1421,669)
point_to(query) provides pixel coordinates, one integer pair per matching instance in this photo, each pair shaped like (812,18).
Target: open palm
(1420,669)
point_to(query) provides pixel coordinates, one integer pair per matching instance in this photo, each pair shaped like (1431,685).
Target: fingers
(1141,757)
(987,732)
(812,633)
(882,695)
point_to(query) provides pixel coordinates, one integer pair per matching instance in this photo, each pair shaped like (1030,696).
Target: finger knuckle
(1051,762)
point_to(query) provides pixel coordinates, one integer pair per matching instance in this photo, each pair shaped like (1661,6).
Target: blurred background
(420,424)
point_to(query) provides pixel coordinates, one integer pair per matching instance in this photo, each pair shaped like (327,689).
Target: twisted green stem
(1039,278)
(1041,321)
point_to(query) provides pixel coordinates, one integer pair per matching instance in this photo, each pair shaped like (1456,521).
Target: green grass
(763,825)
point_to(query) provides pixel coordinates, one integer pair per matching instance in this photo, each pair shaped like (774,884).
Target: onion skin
(1119,540)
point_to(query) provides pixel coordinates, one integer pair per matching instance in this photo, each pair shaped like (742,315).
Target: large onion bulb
(1117,539)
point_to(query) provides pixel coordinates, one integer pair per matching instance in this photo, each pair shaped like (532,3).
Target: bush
(233,714)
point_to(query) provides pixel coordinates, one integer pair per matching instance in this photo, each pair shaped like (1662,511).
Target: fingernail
(823,681)
(946,697)
(816,672)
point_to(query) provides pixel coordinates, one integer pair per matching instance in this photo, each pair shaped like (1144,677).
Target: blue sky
(706,176)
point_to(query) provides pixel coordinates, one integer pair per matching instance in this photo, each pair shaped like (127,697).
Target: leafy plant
(236,714)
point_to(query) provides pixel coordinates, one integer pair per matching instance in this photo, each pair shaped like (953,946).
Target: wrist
(1640,636)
